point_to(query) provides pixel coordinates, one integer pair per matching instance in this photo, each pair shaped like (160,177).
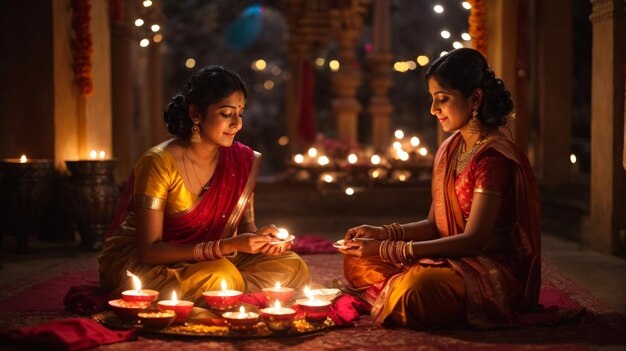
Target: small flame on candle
(93,154)
(223,285)
(23,159)
(136,281)
(174,297)
(277,285)
(282,234)
(102,155)
(307,293)
(277,305)
(242,312)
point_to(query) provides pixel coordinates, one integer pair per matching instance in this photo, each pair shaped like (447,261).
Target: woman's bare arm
(422,230)
(482,218)
(153,250)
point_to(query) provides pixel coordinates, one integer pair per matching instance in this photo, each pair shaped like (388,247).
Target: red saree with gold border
(490,301)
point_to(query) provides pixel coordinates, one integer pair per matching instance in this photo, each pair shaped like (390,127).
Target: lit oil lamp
(242,320)
(222,299)
(278,293)
(182,308)
(156,319)
(282,238)
(138,294)
(278,318)
(315,310)
(128,310)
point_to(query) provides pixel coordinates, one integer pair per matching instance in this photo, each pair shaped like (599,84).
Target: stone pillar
(122,73)
(501,24)
(608,178)
(98,120)
(347,22)
(158,130)
(81,123)
(380,106)
(554,77)
(309,28)
(293,11)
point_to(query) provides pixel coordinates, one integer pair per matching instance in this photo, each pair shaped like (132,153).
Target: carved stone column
(309,28)
(553,77)
(380,62)
(347,23)
(293,10)
(122,70)
(608,178)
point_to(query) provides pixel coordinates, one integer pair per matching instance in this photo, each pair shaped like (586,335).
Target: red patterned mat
(38,299)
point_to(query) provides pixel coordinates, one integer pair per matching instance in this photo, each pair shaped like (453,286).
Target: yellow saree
(189,219)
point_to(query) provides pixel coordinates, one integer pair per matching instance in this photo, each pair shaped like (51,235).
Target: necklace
(463,157)
(193,165)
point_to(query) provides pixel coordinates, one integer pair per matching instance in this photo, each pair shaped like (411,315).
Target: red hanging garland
(83,49)
(477,29)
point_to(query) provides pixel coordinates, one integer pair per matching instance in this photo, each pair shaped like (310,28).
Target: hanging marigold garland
(83,49)
(477,29)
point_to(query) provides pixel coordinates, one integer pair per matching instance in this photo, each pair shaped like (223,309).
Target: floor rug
(38,299)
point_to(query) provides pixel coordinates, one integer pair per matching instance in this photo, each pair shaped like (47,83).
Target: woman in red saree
(186,220)
(476,257)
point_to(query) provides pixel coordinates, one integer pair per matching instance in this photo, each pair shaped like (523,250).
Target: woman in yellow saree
(186,220)
(476,257)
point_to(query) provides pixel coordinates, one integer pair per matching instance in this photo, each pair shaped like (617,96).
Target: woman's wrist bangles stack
(207,251)
(395,232)
(396,251)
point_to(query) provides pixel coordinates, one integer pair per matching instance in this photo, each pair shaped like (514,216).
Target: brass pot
(25,197)
(93,199)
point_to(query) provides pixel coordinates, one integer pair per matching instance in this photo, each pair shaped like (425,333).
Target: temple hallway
(600,274)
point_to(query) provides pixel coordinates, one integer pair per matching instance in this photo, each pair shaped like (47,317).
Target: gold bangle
(387,228)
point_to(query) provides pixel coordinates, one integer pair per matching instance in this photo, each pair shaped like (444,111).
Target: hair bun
(498,103)
(175,114)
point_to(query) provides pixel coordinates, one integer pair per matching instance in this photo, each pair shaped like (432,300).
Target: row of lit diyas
(397,163)
(93,155)
(134,303)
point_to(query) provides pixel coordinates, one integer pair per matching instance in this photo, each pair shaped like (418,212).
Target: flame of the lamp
(102,155)
(136,281)
(282,234)
(93,154)
(223,284)
(277,305)
(174,297)
(23,159)
(242,312)
(277,285)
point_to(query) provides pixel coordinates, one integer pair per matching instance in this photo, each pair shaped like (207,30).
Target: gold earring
(474,122)
(195,132)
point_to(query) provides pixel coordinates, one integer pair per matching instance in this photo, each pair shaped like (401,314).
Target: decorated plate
(206,323)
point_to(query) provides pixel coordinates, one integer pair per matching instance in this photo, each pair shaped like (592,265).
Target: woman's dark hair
(465,70)
(206,86)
